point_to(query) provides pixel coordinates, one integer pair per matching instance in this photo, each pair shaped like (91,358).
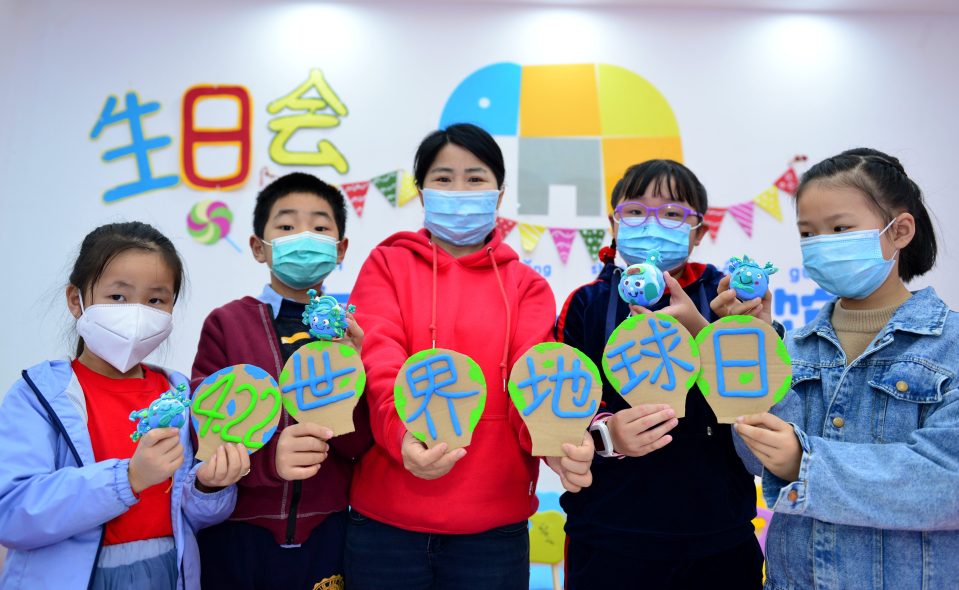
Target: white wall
(749,90)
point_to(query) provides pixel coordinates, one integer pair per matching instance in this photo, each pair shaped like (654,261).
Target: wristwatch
(602,439)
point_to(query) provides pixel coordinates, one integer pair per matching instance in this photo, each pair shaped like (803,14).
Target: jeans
(382,556)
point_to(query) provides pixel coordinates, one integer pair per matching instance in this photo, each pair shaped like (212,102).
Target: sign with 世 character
(440,395)
(238,404)
(745,367)
(321,383)
(652,359)
(557,390)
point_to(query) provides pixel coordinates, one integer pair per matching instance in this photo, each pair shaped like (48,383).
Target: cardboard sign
(322,383)
(652,359)
(557,390)
(745,367)
(238,404)
(440,395)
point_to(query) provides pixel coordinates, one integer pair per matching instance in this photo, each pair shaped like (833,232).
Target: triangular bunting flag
(356,193)
(386,184)
(563,238)
(743,214)
(714,219)
(593,238)
(505,226)
(768,200)
(266,175)
(408,190)
(529,235)
(788,182)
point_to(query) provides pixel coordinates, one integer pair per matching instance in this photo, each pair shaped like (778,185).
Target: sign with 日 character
(238,404)
(322,383)
(440,395)
(745,367)
(557,390)
(652,359)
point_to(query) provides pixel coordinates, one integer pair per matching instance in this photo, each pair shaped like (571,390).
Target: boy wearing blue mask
(671,502)
(289,525)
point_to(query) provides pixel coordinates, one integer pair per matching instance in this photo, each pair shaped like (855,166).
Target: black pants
(588,567)
(239,556)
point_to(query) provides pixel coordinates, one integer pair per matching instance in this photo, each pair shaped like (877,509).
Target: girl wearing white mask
(860,457)
(81,504)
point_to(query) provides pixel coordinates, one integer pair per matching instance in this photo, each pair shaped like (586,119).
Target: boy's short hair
(665,175)
(298,182)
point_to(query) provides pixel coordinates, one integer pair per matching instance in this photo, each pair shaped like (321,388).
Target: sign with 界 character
(321,383)
(557,390)
(238,404)
(745,367)
(652,359)
(440,395)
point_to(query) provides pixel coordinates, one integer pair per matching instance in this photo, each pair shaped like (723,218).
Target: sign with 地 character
(745,367)
(322,383)
(238,404)
(652,359)
(557,390)
(440,395)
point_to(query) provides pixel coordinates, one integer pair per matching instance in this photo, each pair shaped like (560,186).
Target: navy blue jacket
(691,498)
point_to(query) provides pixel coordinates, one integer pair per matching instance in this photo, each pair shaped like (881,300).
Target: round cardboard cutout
(557,390)
(745,367)
(321,383)
(652,359)
(440,395)
(238,404)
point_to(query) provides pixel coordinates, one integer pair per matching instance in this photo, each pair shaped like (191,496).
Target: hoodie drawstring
(502,290)
(433,317)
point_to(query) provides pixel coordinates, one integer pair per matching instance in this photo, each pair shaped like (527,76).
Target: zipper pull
(709,431)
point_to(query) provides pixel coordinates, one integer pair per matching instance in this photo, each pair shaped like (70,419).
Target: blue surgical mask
(461,218)
(850,264)
(635,242)
(304,259)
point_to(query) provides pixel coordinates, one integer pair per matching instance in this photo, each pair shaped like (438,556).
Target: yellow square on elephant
(621,153)
(559,101)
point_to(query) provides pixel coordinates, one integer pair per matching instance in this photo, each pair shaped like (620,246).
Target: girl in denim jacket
(862,457)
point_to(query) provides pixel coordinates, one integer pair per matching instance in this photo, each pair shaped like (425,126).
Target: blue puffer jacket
(53,507)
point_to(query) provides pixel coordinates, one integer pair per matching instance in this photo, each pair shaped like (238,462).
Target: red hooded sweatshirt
(487,305)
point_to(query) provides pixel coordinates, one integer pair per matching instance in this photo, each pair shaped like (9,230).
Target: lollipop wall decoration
(209,222)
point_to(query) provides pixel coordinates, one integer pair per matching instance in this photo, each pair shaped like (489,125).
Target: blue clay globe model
(643,284)
(748,279)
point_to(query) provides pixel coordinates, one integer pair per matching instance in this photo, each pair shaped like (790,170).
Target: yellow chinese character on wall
(321,111)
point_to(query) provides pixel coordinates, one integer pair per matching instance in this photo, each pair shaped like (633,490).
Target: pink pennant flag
(714,219)
(356,193)
(563,238)
(505,226)
(788,182)
(743,214)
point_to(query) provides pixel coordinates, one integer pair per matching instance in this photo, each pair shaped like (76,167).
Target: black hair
(883,180)
(298,182)
(107,242)
(467,136)
(669,179)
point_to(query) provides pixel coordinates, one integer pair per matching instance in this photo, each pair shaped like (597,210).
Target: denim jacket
(876,504)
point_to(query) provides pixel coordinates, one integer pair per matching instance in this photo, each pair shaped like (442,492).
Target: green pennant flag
(386,184)
(593,238)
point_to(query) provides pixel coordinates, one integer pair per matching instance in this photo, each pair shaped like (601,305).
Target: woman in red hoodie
(435,518)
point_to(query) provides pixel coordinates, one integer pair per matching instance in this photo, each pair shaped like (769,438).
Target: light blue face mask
(849,265)
(304,259)
(461,218)
(635,242)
